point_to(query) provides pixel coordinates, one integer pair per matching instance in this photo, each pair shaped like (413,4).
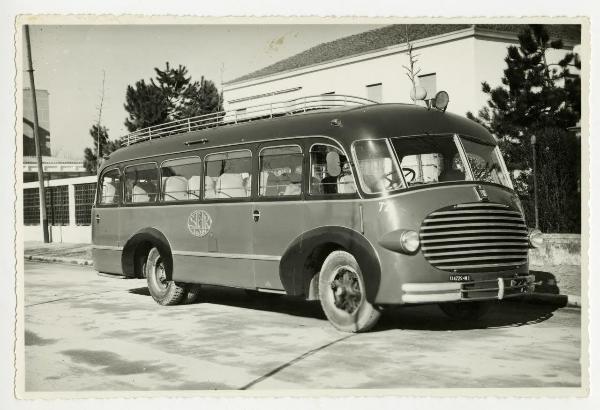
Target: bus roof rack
(245,114)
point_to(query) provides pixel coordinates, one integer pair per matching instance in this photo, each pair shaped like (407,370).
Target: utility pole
(36,136)
(535,189)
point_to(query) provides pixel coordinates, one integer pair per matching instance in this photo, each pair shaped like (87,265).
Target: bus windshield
(427,159)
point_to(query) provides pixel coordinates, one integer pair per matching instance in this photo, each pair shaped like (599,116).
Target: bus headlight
(402,240)
(409,241)
(535,238)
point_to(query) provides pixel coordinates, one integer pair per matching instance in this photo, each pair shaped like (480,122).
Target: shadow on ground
(508,313)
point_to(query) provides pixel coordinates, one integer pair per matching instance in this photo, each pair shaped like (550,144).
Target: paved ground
(85,332)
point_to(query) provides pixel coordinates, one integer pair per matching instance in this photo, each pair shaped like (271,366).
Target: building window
(141,183)
(31,206)
(227,175)
(428,82)
(375,92)
(84,199)
(281,171)
(181,179)
(57,205)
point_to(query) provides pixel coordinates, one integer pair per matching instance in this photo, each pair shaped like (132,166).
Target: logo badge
(199,223)
(481,193)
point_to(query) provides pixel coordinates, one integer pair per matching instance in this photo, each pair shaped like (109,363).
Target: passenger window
(141,183)
(330,171)
(110,191)
(281,171)
(180,179)
(227,175)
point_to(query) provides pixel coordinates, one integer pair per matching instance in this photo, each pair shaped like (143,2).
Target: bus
(356,204)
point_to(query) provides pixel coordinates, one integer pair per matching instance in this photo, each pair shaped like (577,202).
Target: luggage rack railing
(245,114)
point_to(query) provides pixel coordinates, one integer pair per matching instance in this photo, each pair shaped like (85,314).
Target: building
(43,108)
(53,167)
(455,58)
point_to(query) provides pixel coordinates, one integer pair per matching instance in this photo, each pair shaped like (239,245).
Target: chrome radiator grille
(482,237)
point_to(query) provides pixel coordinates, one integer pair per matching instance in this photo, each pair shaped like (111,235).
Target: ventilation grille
(477,237)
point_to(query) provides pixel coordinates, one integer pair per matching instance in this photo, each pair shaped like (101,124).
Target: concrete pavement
(85,332)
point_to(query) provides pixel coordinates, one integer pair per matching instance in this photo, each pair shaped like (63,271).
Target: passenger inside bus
(453,170)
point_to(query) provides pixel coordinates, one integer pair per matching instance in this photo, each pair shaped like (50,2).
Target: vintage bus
(357,204)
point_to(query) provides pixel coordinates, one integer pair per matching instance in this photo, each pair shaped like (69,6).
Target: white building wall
(461,64)
(451,61)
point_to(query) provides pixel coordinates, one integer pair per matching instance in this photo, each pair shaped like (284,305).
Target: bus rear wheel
(342,294)
(466,310)
(164,291)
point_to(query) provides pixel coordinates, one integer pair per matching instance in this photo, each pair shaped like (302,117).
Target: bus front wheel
(342,294)
(164,291)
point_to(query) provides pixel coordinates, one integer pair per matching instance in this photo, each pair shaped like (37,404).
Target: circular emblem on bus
(199,223)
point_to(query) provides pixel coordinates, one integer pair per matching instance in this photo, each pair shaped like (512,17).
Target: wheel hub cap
(346,290)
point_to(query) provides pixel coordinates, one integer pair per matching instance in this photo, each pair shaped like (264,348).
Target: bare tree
(412,71)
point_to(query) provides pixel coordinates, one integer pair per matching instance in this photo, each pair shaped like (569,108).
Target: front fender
(305,255)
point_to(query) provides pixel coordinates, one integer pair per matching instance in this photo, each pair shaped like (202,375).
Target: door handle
(97,218)
(256,215)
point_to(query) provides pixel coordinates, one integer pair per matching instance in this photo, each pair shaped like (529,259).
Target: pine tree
(146,105)
(98,134)
(542,100)
(170,96)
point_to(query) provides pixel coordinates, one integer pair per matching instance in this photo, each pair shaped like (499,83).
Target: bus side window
(330,171)
(180,179)
(141,183)
(281,171)
(110,191)
(227,175)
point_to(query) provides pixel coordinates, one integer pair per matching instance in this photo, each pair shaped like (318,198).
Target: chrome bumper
(489,289)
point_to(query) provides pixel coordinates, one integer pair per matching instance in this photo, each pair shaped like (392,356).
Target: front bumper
(488,289)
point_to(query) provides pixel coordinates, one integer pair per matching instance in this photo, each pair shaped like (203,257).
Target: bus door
(278,213)
(227,219)
(105,223)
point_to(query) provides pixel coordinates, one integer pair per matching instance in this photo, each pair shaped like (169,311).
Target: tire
(466,310)
(342,294)
(164,291)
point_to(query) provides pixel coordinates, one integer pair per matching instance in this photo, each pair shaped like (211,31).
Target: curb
(54,259)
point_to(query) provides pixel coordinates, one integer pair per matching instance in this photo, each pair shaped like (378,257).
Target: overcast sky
(68,62)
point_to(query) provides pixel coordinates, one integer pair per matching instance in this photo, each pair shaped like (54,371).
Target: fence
(68,208)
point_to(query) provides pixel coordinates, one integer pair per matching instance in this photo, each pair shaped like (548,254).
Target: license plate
(460,278)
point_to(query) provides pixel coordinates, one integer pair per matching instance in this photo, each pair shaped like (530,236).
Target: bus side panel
(201,246)
(236,273)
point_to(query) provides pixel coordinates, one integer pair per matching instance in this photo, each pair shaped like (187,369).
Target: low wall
(558,249)
(59,234)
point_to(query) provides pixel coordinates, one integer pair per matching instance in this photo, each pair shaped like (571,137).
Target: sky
(69,62)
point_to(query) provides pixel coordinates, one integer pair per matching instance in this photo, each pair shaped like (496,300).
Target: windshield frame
(469,179)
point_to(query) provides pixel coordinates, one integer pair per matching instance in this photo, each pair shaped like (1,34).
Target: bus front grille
(474,237)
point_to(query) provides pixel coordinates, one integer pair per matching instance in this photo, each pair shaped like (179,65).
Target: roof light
(440,101)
